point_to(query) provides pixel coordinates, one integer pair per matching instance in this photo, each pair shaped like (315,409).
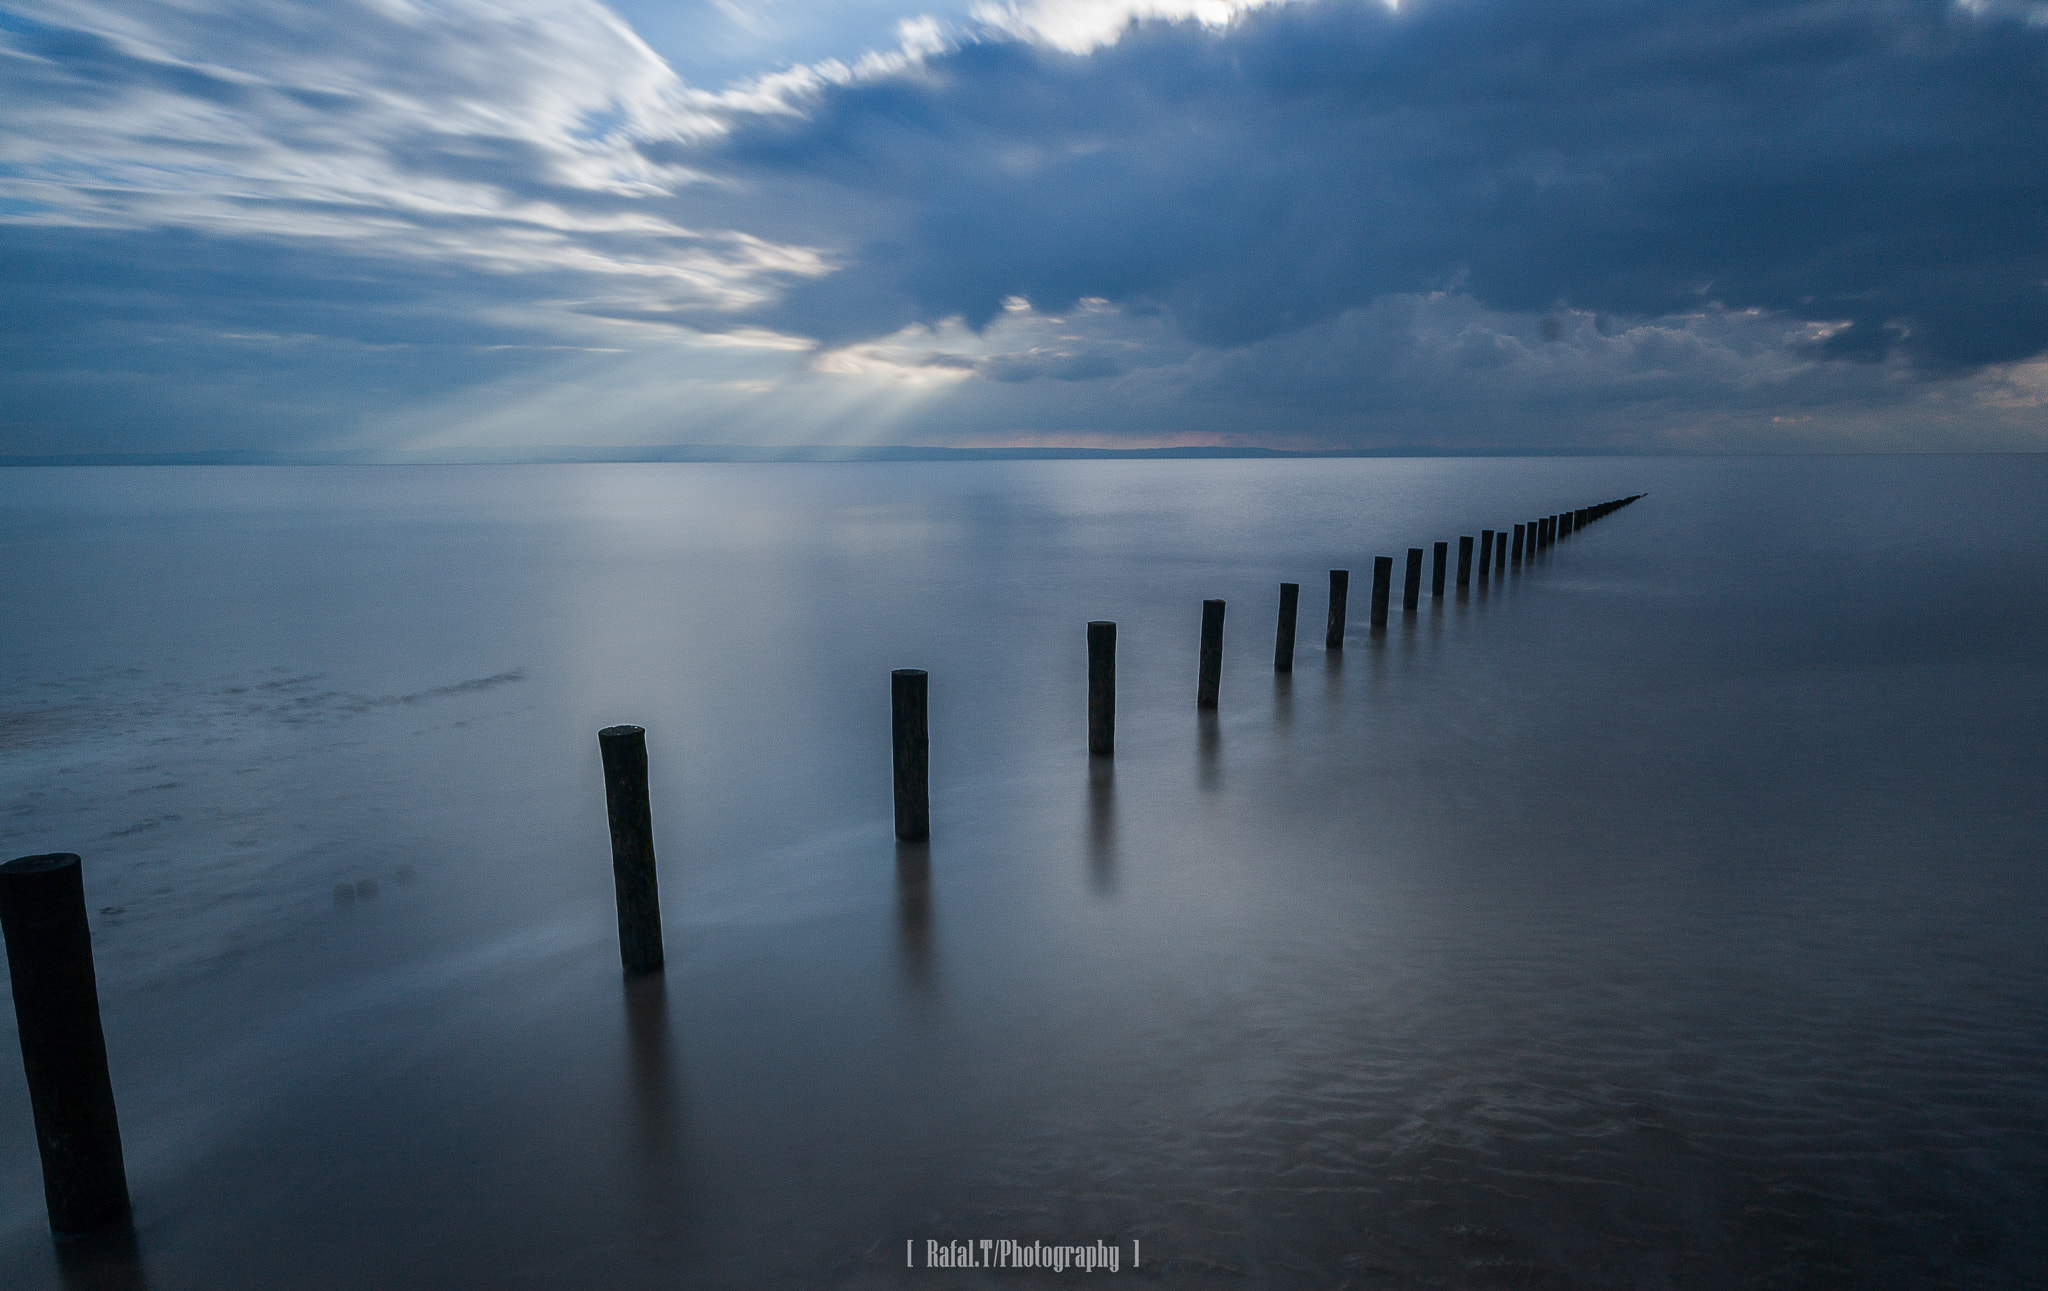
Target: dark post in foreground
(1283,639)
(1102,687)
(1340,591)
(910,738)
(1500,553)
(1515,552)
(1485,553)
(1212,654)
(1436,571)
(1465,560)
(1382,585)
(1411,581)
(57,1008)
(625,800)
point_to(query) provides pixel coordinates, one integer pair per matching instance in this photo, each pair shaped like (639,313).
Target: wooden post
(1411,581)
(625,798)
(1283,638)
(1485,553)
(1515,552)
(63,1050)
(1340,589)
(1212,654)
(1382,585)
(1436,570)
(1465,561)
(1102,688)
(910,740)
(1500,552)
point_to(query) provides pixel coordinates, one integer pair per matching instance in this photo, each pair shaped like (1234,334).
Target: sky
(419,226)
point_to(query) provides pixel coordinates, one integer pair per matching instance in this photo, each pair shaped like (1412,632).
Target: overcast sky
(1705,225)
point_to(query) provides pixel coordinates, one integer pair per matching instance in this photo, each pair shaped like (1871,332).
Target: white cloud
(499,134)
(1078,26)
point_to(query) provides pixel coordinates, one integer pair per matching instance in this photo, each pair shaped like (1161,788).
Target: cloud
(1876,167)
(1464,223)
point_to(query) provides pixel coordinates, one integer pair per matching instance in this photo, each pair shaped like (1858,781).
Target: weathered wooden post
(1411,581)
(1515,552)
(1212,654)
(63,1050)
(1382,586)
(1283,638)
(1340,589)
(910,740)
(625,799)
(1436,571)
(1485,553)
(1500,552)
(1102,688)
(1465,560)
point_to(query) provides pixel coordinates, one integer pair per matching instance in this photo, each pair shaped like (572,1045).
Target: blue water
(1667,912)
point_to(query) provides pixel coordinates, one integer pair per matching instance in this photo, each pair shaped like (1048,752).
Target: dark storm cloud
(1880,168)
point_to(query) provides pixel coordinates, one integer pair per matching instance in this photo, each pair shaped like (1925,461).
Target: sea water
(1668,910)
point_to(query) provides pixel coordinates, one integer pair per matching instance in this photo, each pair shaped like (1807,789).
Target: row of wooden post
(49,945)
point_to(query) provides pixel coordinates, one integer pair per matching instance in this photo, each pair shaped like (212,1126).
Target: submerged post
(1500,553)
(910,739)
(1382,585)
(1212,654)
(1485,553)
(1465,560)
(63,1050)
(625,800)
(1515,553)
(1102,687)
(1283,639)
(1340,590)
(1411,581)
(1436,572)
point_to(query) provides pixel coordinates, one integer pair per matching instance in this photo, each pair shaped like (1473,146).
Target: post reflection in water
(914,915)
(657,1100)
(1283,703)
(1102,825)
(1208,752)
(108,1260)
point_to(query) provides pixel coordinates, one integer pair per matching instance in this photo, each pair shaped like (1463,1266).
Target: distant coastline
(738,453)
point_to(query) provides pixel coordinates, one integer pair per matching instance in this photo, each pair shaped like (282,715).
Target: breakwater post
(1283,638)
(1101,688)
(1411,581)
(1212,654)
(1485,553)
(1500,553)
(910,741)
(1340,591)
(625,799)
(1465,560)
(63,1050)
(1436,572)
(1515,552)
(1382,586)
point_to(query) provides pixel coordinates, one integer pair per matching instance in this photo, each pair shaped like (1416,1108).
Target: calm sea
(1669,912)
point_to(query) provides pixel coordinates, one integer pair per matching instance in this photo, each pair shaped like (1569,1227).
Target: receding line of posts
(624,749)
(1340,590)
(1102,688)
(1212,655)
(1411,581)
(1436,571)
(1283,636)
(910,743)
